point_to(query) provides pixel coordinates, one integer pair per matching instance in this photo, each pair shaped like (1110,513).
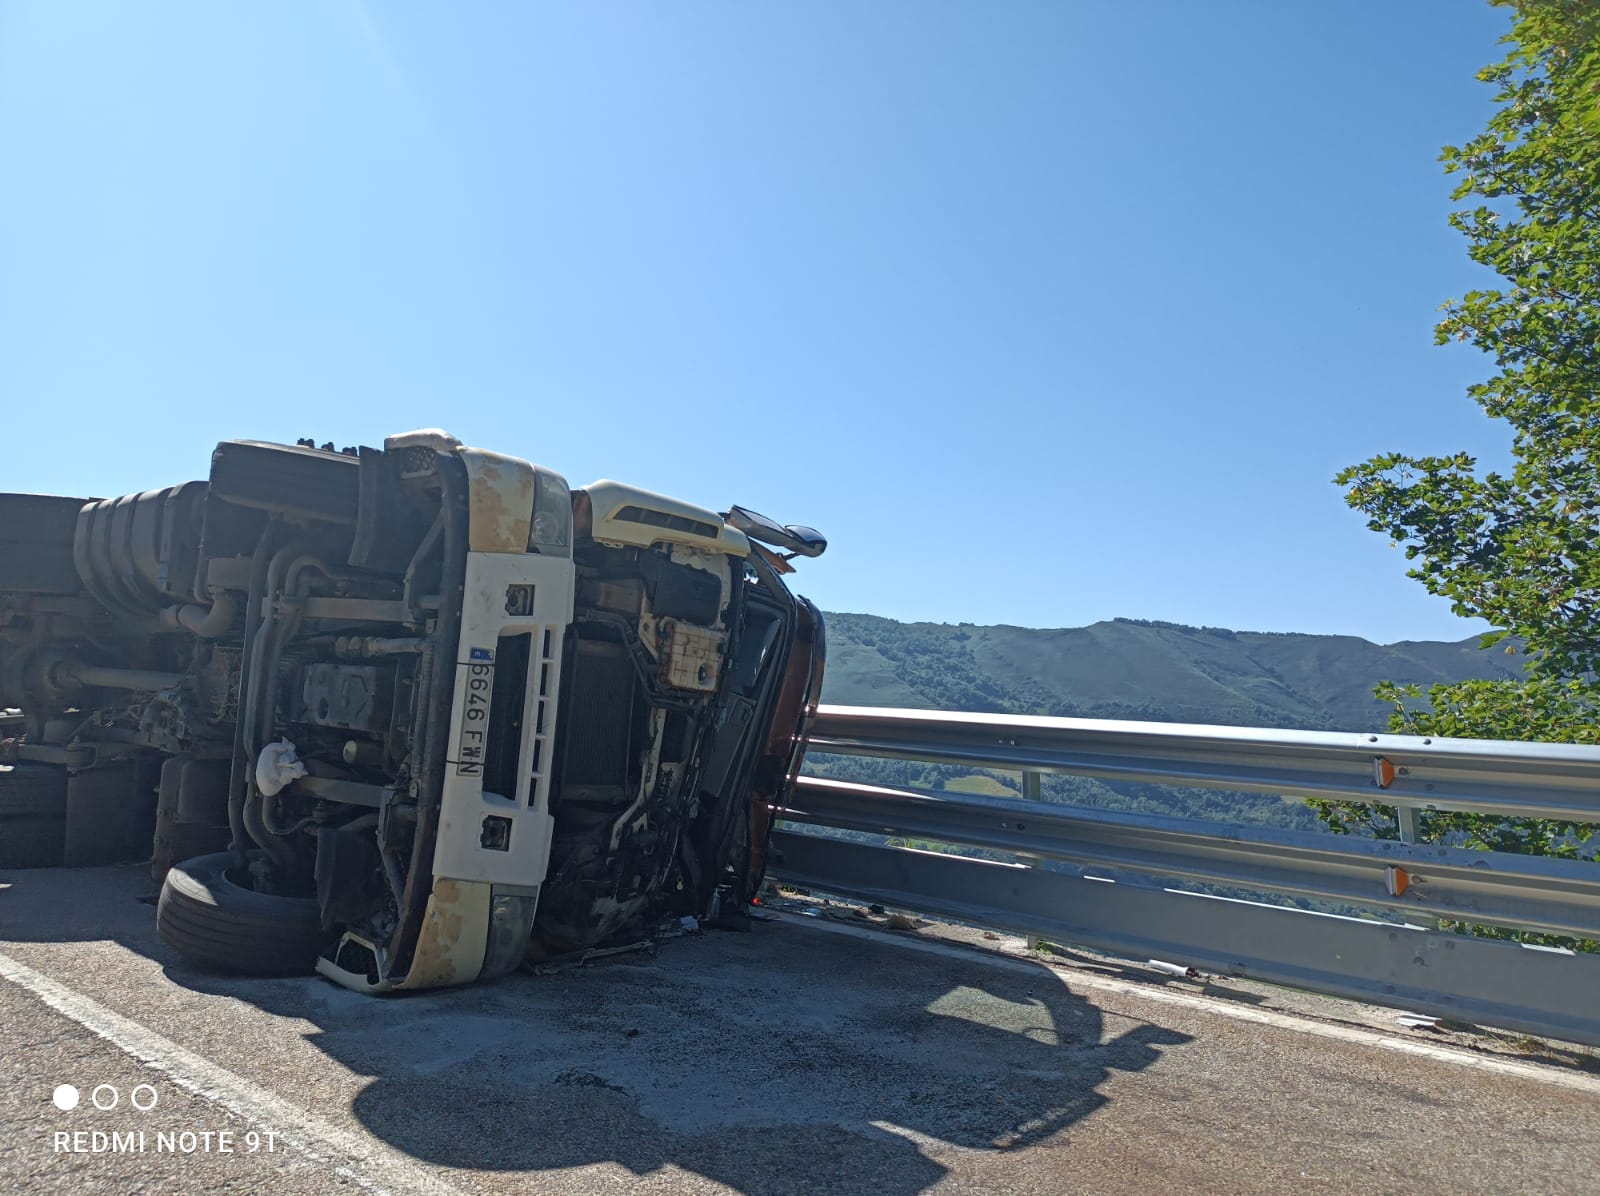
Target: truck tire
(222,925)
(33,815)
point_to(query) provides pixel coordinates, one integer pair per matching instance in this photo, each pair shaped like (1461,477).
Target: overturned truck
(410,716)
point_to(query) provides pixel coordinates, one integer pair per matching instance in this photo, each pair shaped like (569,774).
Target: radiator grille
(598,716)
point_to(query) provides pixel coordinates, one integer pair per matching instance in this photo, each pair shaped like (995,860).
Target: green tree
(1519,549)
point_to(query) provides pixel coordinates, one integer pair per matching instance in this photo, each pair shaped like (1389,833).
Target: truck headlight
(551,529)
(510,924)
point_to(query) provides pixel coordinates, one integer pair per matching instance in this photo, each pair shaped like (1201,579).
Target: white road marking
(1552,1076)
(355,1157)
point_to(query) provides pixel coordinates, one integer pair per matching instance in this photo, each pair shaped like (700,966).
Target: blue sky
(1043,312)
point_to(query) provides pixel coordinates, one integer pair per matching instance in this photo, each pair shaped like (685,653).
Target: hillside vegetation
(1136,669)
(1130,669)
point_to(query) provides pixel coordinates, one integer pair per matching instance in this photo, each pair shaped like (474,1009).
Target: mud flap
(111,813)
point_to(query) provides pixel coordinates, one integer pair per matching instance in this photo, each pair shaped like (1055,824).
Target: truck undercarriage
(410,715)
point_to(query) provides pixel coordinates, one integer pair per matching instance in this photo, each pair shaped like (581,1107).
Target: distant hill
(1131,669)
(1137,669)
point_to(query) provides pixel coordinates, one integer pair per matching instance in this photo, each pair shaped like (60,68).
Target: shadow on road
(791,1059)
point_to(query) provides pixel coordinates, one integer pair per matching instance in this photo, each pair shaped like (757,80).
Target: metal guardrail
(1527,780)
(1105,880)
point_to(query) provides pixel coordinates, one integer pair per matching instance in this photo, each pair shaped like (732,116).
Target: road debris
(1182,971)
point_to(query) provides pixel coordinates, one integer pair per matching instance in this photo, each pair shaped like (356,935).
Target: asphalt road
(807,1056)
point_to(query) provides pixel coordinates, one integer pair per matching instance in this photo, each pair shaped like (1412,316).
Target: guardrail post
(1409,819)
(1030,790)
